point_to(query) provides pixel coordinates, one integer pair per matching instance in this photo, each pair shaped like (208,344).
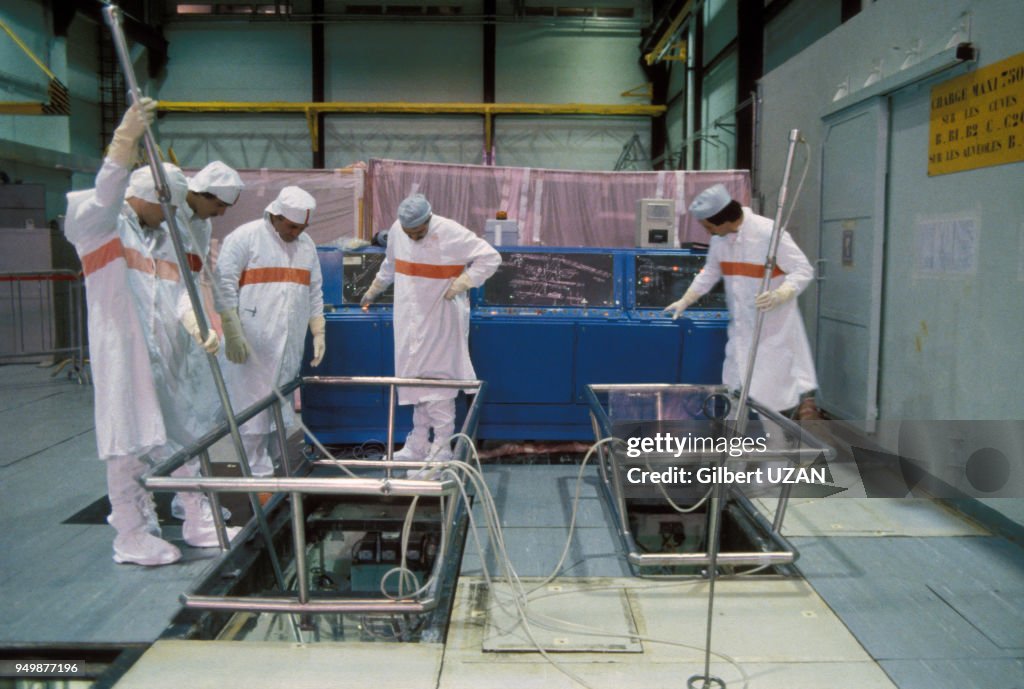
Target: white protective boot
(441,415)
(199,530)
(442,419)
(417,443)
(133,543)
(178,508)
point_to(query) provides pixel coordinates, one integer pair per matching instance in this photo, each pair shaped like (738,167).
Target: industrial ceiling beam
(667,41)
(58,101)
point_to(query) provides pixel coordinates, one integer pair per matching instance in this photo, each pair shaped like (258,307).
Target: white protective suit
(185,385)
(432,333)
(120,278)
(120,283)
(784,368)
(277,288)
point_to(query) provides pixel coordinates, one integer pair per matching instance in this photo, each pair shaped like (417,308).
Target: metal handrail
(809,449)
(159,478)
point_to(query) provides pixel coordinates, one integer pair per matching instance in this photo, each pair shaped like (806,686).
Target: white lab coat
(120,276)
(432,333)
(784,368)
(277,288)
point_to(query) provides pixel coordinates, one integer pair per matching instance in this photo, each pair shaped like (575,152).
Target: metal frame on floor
(447,489)
(806,449)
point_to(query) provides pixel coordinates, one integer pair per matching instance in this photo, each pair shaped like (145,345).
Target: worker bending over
(117,229)
(269,277)
(784,369)
(432,261)
(189,391)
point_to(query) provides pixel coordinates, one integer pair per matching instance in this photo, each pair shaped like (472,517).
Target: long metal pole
(740,424)
(112,15)
(769,268)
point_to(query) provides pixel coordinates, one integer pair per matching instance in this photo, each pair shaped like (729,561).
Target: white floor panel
(233,665)
(607,608)
(628,671)
(768,633)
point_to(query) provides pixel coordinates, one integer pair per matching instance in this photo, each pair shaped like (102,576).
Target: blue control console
(547,324)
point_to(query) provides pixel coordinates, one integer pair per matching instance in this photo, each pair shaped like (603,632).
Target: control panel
(662,278)
(549,281)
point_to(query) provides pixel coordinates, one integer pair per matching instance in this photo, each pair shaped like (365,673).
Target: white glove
(376,289)
(212,344)
(766,301)
(676,308)
(235,344)
(458,286)
(318,327)
(124,146)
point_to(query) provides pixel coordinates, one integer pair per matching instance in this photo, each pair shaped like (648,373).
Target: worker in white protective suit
(268,274)
(184,383)
(193,406)
(115,228)
(432,262)
(784,368)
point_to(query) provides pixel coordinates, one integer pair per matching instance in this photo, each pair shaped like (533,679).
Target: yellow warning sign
(977,120)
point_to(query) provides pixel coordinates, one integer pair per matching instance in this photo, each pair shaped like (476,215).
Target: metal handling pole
(112,16)
(766,280)
(739,428)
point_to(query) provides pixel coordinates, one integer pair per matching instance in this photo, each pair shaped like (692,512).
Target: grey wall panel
(967,328)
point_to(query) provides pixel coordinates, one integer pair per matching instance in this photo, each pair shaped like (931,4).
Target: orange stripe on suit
(428,270)
(98,258)
(256,276)
(748,270)
(114,249)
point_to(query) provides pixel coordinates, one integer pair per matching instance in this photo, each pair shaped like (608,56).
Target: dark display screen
(357,273)
(663,278)
(552,279)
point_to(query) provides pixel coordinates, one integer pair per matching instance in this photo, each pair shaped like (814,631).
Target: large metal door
(853,182)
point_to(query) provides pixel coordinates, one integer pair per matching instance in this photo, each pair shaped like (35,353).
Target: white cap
(217,179)
(142,186)
(710,202)
(295,204)
(413,211)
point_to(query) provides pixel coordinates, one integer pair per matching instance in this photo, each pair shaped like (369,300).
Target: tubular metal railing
(159,478)
(31,320)
(802,450)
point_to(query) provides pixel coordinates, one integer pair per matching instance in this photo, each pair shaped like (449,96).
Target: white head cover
(413,211)
(217,179)
(142,186)
(295,204)
(710,202)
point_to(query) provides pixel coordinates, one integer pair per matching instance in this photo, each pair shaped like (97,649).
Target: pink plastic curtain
(553,207)
(338,194)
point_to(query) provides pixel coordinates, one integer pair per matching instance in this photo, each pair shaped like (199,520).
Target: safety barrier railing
(297,487)
(791,444)
(34,321)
